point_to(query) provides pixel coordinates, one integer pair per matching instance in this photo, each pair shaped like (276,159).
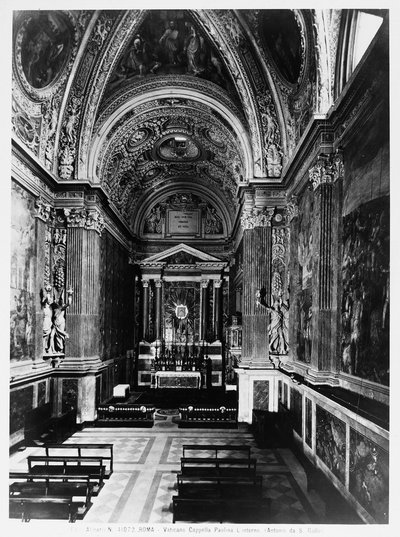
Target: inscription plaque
(183,222)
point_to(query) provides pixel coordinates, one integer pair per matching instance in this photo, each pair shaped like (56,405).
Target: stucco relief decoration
(26,127)
(153,222)
(213,222)
(279,244)
(68,139)
(322,60)
(256,217)
(271,134)
(50,111)
(327,170)
(85,218)
(291,209)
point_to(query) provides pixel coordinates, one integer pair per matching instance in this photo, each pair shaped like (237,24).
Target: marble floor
(146,462)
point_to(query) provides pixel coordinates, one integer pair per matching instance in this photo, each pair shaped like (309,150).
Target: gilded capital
(327,170)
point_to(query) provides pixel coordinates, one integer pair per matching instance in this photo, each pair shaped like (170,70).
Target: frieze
(327,170)
(256,217)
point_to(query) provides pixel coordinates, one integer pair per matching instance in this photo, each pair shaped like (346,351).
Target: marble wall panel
(365,296)
(369,475)
(296,409)
(41,397)
(23,262)
(21,401)
(280,392)
(331,442)
(69,395)
(261,394)
(285,395)
(308,421)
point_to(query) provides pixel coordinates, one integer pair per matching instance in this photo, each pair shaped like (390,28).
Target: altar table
(178,379)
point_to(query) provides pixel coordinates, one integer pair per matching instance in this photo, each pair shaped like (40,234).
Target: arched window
(358,29)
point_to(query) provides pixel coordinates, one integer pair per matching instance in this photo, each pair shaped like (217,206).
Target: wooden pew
(46,507)
(198,466)
(217,449)
(106,453)
(234,510)
(219,486)
(53,484)
(68,466)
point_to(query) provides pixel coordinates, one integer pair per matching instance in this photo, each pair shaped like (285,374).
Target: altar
(178,379)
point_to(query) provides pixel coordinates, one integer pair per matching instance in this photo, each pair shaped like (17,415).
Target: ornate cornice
(256,217)
(327,170)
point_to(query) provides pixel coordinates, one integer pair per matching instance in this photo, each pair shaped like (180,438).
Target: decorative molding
(256,217)
(204,284)
(327,170)
(217,284)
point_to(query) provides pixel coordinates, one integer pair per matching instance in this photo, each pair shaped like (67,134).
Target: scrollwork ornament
(43,210)
(291,209)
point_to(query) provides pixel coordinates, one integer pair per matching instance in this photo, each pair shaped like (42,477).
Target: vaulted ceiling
(148,103)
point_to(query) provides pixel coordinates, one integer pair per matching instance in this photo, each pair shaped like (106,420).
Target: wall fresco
(261,394)
(331,442)
(23,260)
(369,476)
(296,409)
(21,401)
(303,301)
(365,298)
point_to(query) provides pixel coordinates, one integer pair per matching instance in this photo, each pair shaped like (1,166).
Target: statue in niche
(194,49)
(54,333)
(213,223)
(169,40)
(153,222)
(278,326)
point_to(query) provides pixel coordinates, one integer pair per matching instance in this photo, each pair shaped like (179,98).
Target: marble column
(204,310)
(158,284)
(145,320)
(217,309)
(256,223)
(324,177)
(83,275)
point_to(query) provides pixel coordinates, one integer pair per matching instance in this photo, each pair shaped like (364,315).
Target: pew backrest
(103,450)
(217,450)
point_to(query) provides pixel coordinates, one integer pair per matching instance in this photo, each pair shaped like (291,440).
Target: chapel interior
(199,280)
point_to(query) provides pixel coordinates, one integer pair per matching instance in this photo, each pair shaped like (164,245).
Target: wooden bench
(202,417)
(219,486)
(217,449)
(249,510)
(46,507)
(120,415)
(67,466)
(92,450)
(53,484)
(215,466)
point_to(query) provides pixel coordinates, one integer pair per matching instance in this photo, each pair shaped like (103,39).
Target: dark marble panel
(280,392)
(261,394)
(296,409)
(369,476)
(98,390)
(41,393)
(69,396)
(285,394)
(21,401)
(365,298)
(331,442)
(308,422)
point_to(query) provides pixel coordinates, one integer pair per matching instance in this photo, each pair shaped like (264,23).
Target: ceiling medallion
(181,311)
(178,147)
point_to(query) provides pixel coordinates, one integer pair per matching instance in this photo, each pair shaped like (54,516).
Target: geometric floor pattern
(146,462)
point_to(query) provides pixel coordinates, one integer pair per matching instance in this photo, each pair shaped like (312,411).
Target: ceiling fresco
(142,102)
